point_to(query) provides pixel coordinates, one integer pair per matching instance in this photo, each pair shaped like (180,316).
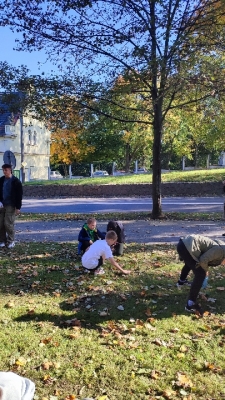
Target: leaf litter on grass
(116,336)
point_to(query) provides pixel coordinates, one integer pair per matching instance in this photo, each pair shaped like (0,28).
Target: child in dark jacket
(117,227)
(88,235)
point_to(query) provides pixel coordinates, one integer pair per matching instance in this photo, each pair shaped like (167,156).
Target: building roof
(7,117)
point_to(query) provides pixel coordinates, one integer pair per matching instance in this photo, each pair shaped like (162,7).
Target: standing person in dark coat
(117,227)
(11,192)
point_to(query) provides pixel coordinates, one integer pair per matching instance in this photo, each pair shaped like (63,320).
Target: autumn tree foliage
(157,44)
(117,138)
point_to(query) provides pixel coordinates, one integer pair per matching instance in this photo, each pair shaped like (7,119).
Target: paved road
(136,231)
(102,205)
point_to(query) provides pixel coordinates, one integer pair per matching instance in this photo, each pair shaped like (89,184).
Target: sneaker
(99,271)
(10,245)
(195,308)
(182,283)
(86,271)
(2,244)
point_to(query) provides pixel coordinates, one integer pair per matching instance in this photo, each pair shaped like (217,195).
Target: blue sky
(16,58)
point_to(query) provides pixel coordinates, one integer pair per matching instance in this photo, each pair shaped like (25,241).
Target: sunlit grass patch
(199,175)
(109,337)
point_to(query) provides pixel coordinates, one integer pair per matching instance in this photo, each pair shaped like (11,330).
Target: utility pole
(22,169)
(24,91)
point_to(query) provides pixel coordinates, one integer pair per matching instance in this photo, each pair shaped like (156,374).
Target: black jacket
(16,191)
(117,227)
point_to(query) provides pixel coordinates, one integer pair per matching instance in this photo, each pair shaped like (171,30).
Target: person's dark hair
(117,227)
(7,166)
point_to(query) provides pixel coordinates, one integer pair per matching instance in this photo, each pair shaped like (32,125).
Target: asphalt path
(125,204)
(149,232)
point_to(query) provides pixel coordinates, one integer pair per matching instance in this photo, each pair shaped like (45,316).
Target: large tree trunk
(157,102)
(156,177)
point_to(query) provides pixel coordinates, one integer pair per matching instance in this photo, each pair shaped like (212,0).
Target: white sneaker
(2,244)
(10,245)
(99,271)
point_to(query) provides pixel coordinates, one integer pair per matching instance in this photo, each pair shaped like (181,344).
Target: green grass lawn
(109,337)
(172,176)
(123,216)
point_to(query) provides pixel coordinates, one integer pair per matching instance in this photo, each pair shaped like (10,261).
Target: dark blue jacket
(16,191)
(83,235)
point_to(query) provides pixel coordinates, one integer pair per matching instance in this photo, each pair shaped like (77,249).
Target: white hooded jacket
(15,387)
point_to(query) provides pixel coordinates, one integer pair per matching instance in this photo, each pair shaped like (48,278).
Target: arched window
(29,136)
(35,138)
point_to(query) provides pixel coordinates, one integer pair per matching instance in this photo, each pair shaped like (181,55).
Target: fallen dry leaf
(103,313)
(168,393)
(48,380)
(46,340)
(21,361)
(73,335)
(46,365)
(183,380)
(150,327)
(212,367)
(155,374)
(10,304)
(174,330)
(148,312)
(160,342)
(183,348)
(139,322)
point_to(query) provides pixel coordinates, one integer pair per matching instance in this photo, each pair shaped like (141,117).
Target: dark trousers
(100,262)
(118,249)
(83,246)
(7,221)
(190,265)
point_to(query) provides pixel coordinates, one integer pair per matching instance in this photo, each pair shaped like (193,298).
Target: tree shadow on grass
(149,300)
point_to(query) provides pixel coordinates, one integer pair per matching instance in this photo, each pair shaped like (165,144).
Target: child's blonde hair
(91,220)
(111,235)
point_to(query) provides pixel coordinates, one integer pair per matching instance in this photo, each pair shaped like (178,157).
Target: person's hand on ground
(126,272)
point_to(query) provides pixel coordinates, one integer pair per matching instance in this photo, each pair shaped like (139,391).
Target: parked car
(100,173)
(55,175)
(140,171)
(121,173)
(74,177)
